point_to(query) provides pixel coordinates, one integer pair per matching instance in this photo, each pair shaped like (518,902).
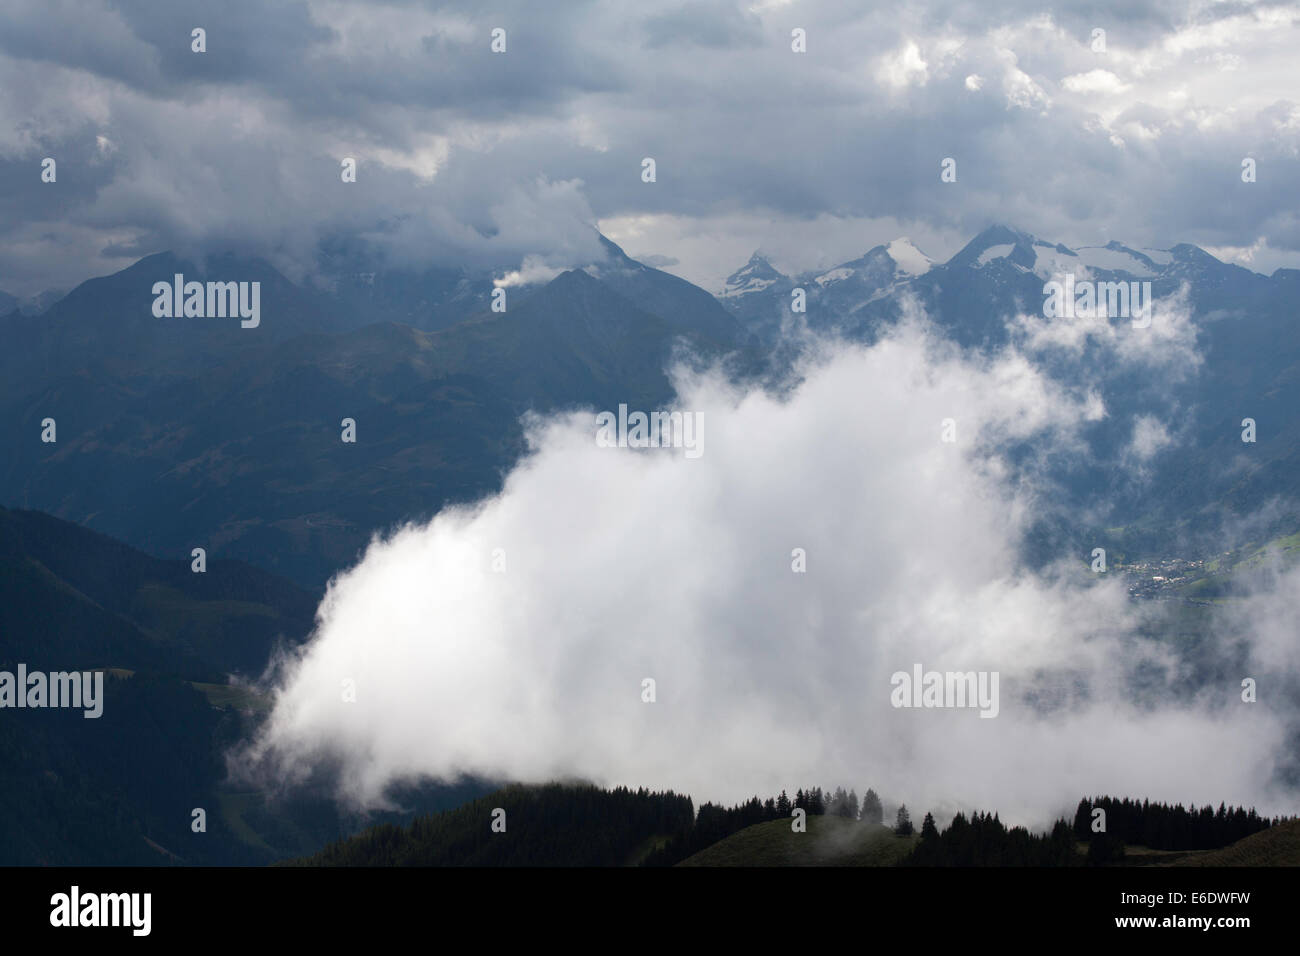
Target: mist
(512,639)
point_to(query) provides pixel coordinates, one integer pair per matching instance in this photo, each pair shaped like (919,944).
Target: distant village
(1163,579)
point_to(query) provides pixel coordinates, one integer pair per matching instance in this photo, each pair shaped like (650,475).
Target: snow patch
(908,258)
(994,252)
(1049,263)
(835,275)
(1114,260)
(752,284)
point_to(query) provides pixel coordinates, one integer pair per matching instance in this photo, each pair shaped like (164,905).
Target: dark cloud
(703,24)
(464,153)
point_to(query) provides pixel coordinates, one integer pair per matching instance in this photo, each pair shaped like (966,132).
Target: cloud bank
(817,155)
(511,639)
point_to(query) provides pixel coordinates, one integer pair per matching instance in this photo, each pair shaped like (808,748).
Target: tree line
(549,825)
(582,825)
(983,840)
(717,822)
(1164,827)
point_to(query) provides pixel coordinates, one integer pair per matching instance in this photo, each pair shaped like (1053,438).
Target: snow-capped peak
(908,258)
(1048,260)
(755,276)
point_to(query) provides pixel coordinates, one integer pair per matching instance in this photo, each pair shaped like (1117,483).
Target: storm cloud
(472,157)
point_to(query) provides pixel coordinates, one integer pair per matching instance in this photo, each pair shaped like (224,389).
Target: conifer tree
(928,830)
(816,802)
(872,811)
(903,823)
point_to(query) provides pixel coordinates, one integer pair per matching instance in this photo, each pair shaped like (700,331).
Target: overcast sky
(469,156)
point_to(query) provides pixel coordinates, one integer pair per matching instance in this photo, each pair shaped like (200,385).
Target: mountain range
(1000,271)
(180,433)
(186,432)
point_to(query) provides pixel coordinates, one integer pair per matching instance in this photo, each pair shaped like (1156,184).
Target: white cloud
(1167,344)
(1094,81)
(625,564)
(1021,90)
(534,269)
(903,67)
(1149,437)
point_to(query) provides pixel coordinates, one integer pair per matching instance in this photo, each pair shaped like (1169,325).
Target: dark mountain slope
(106,326)
(551,825)
(240,452)
(74,598)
